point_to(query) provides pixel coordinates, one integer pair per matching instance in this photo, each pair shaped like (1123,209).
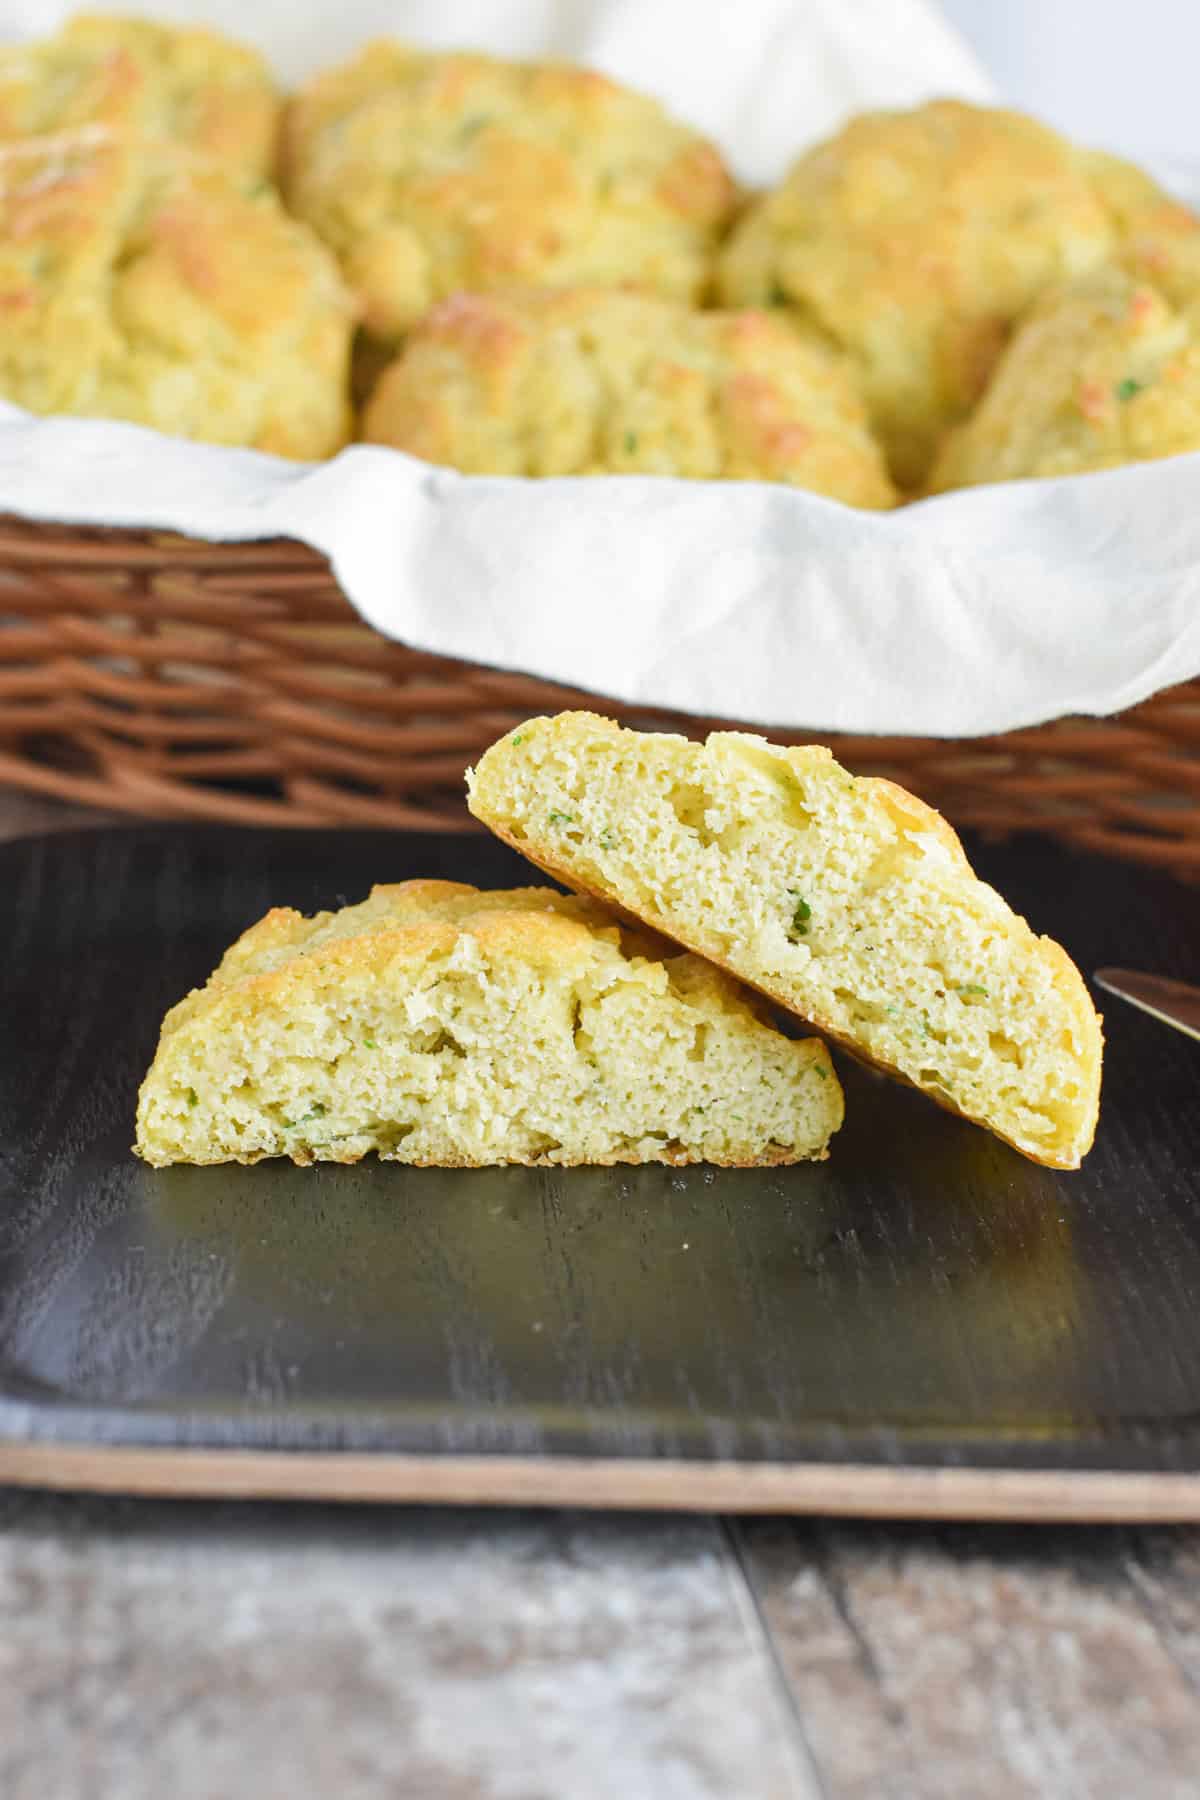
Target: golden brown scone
(912,240)
(586,381)
(433,174)
(139,282)
(845,899)
(190,85)
(1102,371)
(437,1024)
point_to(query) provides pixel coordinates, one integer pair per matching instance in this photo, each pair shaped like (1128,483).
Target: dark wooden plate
(925,1324)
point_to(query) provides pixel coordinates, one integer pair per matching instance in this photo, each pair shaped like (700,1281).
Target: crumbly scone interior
(435,1024)
(433,173)
(846,899)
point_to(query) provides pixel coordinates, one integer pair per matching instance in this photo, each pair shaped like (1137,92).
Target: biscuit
(193,86)
(140,282)
(437,1024)
(582,382)
(844,899)
(912,240)
(1101,372)
(434,174)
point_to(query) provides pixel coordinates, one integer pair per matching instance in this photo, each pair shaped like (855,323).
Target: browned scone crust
(895,949)
(195,87)
(439,1025)
(581,381)
(432,174)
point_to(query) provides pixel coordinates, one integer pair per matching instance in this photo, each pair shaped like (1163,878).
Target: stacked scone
(528,269)
(436,1024)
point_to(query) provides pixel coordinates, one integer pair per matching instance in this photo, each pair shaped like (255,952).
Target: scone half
(440,1025)
(846,900)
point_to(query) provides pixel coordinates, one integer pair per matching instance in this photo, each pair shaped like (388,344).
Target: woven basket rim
(176,677)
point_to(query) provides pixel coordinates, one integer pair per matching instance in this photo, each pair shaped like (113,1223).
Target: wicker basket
(183,679)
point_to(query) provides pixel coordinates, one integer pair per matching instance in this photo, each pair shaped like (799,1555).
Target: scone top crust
(412,917)
(913,239)
(553,933)
(1102,371)
(586,381)
(139,281)
(843,898)
(433,174)
(439,1024)
(193,86)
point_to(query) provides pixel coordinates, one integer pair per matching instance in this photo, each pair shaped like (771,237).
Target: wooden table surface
(196,1651)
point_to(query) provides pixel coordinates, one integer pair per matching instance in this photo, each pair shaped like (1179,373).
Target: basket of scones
(344,427)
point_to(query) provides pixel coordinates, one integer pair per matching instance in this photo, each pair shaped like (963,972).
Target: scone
(437,1024)
(912,240)
(587,381)
(431,174)
(144,80)
(1101,372)
(846,900)
(140,282)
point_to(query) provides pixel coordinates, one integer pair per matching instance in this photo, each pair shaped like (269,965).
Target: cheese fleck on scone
(193,86)
(139,281)
(912,240)
(587,381)
(433,174)
(1101,372)
(846,900)
(437,1024)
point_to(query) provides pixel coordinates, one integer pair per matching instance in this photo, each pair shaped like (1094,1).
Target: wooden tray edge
(852,1490)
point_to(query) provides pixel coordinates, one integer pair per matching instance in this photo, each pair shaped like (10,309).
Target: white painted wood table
(155,1650)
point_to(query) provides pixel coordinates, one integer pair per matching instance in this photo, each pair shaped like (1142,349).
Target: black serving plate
(927,1322)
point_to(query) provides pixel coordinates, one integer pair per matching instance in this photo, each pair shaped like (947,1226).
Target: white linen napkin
(972,613)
